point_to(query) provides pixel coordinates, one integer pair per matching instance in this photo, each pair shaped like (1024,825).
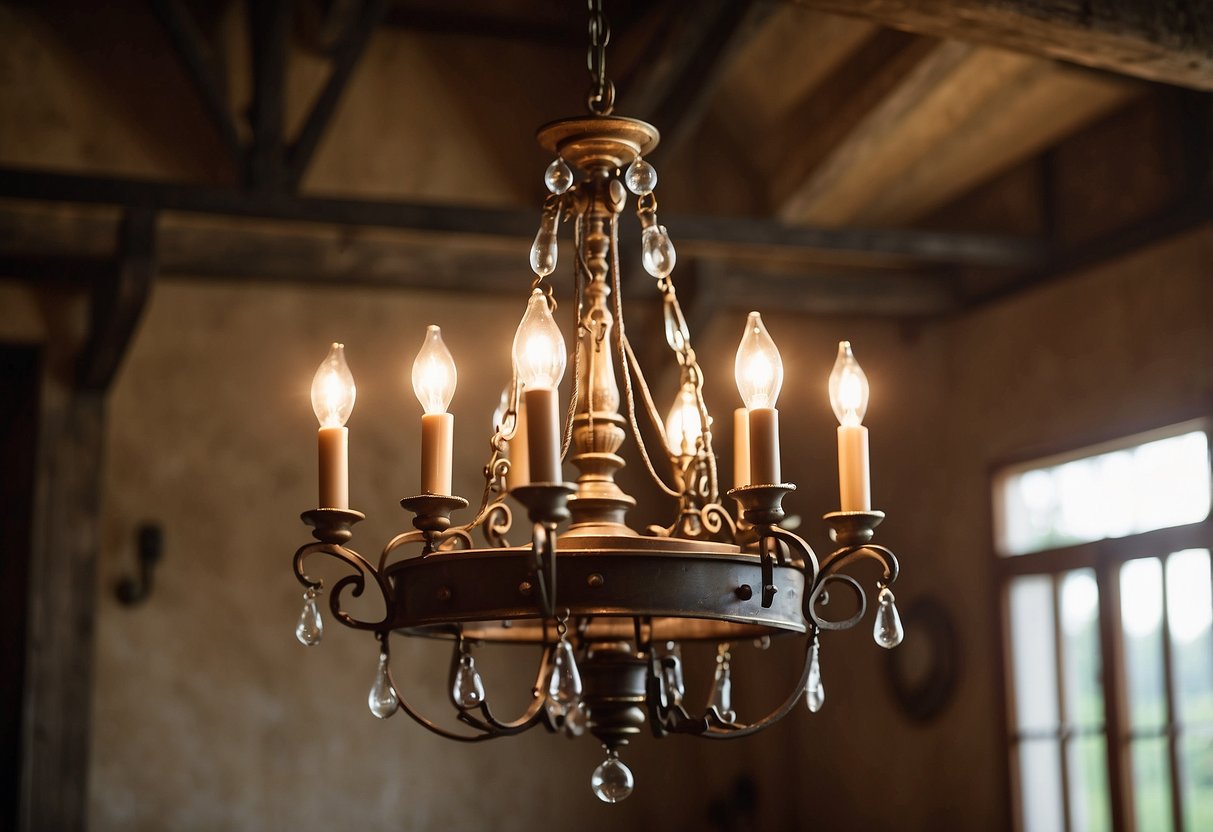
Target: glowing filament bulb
(758,368)
(539,354)
(684,427)
(434,374)
(333,390)
(848,387)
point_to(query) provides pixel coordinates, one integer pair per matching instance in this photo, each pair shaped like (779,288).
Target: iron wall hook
(149,548)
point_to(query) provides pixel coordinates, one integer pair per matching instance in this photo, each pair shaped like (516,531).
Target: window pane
(1151,789)
(1088,771)
(1040,785)
(1033,656)
(1141,618)
(1140,487)
(1190,614)
(1080,649)
(1196,780)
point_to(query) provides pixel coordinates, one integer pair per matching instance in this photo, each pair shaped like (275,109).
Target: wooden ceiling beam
(1158,41)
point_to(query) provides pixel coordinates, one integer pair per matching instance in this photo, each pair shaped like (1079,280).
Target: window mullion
(1116,719)
(1063,732)
(1173,726)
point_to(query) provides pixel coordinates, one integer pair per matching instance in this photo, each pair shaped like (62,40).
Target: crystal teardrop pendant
(468,688)
(564,683)
(558,177)
(815,692)
(722,686)
(657,251)
(575,720)
(612,781)
(382,698)
(544,250)
(310,627)
(672,682)
(640,177)
(887,631)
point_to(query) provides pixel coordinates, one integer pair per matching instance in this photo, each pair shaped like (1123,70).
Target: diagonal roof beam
(674,88)
(1159,41)
(204,71)
(345,61)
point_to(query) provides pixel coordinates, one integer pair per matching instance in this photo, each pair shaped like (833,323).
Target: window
(1108,590)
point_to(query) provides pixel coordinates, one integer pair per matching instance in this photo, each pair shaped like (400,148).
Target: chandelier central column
(600,505)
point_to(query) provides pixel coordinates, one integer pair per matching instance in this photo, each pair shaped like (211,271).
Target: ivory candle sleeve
(333,444)
(764,446)
(854,481)
(543,435)
(437,447)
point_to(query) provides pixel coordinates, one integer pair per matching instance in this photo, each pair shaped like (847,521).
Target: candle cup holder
(853,528)
(762,505)
(432,512)
(332,525)
(546,502)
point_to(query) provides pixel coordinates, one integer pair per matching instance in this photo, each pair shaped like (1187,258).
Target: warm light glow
(848,387)
(539,352)
(758,368)
(333,390)
(434,374)
(684,427)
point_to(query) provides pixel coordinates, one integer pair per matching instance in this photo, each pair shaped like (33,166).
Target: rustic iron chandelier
(612,619)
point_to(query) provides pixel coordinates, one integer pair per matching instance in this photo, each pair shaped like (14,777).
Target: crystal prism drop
(311,626)
(815,692)
(468,687)
(556,711)
(641,177)
(672,680)
(382,698)
(887,631)
(558,177)
(722,689)
(657,251)
(612,780)
(575,720)
(544,249)
(564,684)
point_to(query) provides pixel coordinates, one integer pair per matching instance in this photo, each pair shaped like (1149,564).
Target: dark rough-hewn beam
(345,60)
(675,85)
(117,303)
(705,236)
(1171,42)
(204,71)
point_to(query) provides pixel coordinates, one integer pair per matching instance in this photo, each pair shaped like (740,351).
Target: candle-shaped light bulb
(758,367)
(333,390)
(848,387)
(684,427)
(539,361)
(434,374)
(539,353)
(333,394)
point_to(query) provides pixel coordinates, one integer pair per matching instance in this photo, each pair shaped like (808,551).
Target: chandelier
(610,606)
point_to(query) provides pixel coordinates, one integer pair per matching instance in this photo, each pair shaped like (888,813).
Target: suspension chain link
(601,97)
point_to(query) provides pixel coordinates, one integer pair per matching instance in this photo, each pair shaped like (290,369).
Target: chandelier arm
(620,340)
(356,582)
(844,557)
(533,715)
(402,539)
(820,594)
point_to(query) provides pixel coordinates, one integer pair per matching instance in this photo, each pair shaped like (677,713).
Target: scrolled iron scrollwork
(355,582)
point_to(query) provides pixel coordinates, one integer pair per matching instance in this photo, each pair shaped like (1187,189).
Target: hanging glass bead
(564,682)
(815,692)
(467,690)
(612,781)
(382,698)
(641,177)
(671,673)
(310,627)
(722,686)
(887,631)
(558,177)
(544,250)
(657,251)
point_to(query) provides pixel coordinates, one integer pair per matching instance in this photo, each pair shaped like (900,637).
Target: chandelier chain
(601,97)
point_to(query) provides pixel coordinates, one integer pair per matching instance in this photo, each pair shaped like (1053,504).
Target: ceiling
(863,161)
